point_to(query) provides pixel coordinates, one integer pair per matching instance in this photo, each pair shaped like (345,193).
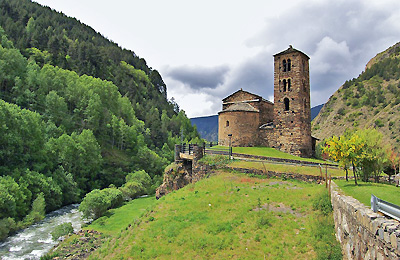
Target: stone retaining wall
(272,174)
(362,233)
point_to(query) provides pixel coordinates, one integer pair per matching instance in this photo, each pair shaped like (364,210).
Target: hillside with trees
(372,100)
(77,113)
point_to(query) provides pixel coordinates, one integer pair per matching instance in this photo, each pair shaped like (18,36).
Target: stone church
(247,119)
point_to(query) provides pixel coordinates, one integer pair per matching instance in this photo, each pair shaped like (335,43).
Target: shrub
(38,210)
(342,111)
(95,204)
(131,190)
(62,230)
(141,177)
(323,203)
(379,123)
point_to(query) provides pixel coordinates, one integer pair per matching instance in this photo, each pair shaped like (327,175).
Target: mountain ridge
(370,100)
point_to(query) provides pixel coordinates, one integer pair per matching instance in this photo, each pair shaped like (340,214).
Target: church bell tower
(292,112)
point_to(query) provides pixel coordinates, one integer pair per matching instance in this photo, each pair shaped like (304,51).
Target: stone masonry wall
(363,234)
(242,125)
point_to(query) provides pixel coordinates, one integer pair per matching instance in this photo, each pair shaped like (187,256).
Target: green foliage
(326,245)
(323,203)
(215,160)
(7,226)
(95,204)
(38,210)
(77,112)
(362,149)
(62,230)
(379,123)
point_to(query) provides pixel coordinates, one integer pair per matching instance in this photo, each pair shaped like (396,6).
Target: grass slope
(362,192)
(227,216)
(115,220)
(269,152)
(282,168)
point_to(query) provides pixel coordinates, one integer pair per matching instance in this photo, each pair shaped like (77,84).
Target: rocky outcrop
(362,233)
(178,175)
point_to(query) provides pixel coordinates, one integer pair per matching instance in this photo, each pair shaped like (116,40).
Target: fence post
(326,176)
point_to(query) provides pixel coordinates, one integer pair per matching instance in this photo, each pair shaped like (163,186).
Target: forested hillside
(370,100)
(76,113)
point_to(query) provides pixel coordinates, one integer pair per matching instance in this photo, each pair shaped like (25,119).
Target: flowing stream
(35,241)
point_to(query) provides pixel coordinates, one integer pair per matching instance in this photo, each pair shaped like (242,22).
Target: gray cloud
(340,37)
(198,77)
(254,75)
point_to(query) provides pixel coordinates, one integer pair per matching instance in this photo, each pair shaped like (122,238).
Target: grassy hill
(227,216)
(370,100)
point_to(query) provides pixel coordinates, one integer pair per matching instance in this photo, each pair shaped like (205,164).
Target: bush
(62,230)
(131,190)
(97,202)
(323,203)
(140,177)
(379,123)
(7,226)
(38,210)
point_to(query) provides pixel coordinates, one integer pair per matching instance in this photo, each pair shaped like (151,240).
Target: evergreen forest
(77,113)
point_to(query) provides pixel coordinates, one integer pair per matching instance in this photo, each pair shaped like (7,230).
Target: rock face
(362,233)
(180,174)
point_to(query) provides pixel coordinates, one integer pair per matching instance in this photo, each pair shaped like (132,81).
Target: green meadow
(270,152)
(226,216)
(362,192)
(283,168)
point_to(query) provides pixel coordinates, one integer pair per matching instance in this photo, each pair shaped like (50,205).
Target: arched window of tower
(284,85)
(227,123)
(286,101)
(284,65)
(288,85)
(289,65)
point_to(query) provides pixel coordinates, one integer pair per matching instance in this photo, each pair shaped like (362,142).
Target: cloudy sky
(206,50)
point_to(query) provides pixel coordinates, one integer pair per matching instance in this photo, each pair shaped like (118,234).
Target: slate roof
(241,90)
(291,50)
(241,107)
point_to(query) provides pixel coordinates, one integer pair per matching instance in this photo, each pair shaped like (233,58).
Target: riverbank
(36,240)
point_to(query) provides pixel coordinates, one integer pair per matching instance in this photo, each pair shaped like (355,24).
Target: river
(35,241)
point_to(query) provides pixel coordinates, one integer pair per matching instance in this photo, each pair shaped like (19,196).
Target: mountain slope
(207,126)
(371,100)
(50,37)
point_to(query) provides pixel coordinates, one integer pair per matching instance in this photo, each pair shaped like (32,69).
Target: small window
(284,65)
(286,101)
(284,85)
(227,123)
(305,105)
(289,65)
(288,85)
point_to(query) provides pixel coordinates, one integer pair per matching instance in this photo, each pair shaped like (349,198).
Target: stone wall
(363,234)
(243,126)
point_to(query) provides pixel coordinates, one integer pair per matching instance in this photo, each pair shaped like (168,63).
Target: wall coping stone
(363,234)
